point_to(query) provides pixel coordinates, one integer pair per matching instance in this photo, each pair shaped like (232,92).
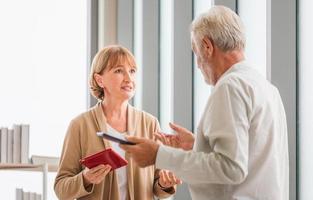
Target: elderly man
(241,148)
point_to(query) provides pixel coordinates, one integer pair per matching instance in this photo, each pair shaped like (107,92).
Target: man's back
(244,123)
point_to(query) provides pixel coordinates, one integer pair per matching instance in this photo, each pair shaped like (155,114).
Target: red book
(107,156)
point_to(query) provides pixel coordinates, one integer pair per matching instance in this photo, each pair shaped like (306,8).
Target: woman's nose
(127,77)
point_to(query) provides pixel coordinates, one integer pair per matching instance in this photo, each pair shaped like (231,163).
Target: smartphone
(114,137)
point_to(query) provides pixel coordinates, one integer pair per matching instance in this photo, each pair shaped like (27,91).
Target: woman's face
(119,81)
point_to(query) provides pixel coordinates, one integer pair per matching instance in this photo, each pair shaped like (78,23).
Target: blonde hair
(222,26)
(106,59)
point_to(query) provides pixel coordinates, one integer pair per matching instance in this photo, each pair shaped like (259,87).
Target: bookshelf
(14,154)
(44,168)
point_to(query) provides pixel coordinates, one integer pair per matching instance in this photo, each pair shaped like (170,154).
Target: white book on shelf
(19,194)
(26,195)
(32,196)
(38,196)
(10,146)
(4,139)
(37,160)
(16,143)
(24,143)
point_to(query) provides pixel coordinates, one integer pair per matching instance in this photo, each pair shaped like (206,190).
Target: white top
(241,146)
(121,172)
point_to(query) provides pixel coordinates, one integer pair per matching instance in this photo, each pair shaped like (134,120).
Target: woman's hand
(95,175)
(183,138)
(167,179)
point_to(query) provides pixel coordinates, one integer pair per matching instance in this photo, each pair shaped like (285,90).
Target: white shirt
(241,146)
(121,172)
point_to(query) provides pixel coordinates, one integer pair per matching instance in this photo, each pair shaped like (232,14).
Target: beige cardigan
(81,140)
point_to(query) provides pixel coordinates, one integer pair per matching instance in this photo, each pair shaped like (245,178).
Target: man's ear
(208,45)
(98,79)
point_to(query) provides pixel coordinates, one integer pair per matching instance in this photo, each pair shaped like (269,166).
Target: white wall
(42,77)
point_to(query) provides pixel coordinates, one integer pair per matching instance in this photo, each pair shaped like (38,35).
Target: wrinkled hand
(183,138)
(143,152)
(95,175)
(168,179)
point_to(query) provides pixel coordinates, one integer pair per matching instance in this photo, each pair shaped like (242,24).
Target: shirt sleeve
(157,190)
(220,154)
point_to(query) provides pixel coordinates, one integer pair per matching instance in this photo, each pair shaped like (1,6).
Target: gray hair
(222,26)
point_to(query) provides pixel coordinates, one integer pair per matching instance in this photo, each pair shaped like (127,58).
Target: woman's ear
(98,79)
(208,46)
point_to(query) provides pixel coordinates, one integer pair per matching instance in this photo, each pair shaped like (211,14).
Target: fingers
(174,141)
(97,168)
(96,174)
(102,171)
(162,137)
(167,139)
(171,177)
(176,127)
(102,174)
(132,148)
(135,139)
(168,179)
(129,148)
(164,179)
(174,179)
(139,144)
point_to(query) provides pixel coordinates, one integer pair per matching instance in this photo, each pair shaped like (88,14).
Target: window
(166,64)
(202,90)
(253,15)
(305,99)
(138,51)
(42,76)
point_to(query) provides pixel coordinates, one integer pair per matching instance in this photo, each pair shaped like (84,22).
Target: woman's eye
(133,71)
(118,71)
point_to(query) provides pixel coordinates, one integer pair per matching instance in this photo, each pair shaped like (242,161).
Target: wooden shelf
(27,167)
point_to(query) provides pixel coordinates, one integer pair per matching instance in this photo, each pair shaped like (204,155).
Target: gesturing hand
(95,175)
(183,138)
(168,179)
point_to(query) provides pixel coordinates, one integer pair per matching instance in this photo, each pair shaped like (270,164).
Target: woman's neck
(114,109)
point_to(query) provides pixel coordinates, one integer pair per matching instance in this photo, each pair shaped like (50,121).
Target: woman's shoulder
(143,114)
(143,123)
(85,116)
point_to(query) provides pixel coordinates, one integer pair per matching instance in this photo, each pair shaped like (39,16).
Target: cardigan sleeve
(69,180)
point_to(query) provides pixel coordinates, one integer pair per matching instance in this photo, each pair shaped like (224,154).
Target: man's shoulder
(243,76)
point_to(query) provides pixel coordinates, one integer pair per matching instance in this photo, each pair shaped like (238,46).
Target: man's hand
(143,152)
(182,139)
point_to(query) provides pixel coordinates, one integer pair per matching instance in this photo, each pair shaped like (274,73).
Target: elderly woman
(112,82)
